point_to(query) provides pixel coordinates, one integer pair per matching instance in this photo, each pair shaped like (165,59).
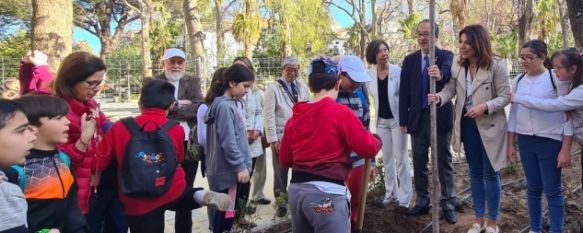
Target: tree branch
(224,10)
(133,7)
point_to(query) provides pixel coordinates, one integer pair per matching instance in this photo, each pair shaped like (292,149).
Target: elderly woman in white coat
(481,87)
(384,89)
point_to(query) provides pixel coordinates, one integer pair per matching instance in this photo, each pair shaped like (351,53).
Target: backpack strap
(168,125)
(131,124)
(21,176)
(65,158)
(553,81)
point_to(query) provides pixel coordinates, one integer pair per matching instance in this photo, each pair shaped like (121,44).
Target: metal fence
(124,76)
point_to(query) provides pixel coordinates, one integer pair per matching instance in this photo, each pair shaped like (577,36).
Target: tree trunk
(194,27)
(457,9)
(52,29)
(373,23)
(146,54)
(486,14)
(411,6)
(248,43)
(195,34)
(106,47)
(564,22)
(526,10)
(575,8)
(363,32)
(219,28)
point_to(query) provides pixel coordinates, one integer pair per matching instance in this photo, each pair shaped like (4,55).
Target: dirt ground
(514,212)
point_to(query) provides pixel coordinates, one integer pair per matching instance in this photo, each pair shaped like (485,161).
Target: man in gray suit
(279,98)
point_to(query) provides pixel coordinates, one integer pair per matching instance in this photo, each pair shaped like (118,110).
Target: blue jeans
(485,182)
(539,161)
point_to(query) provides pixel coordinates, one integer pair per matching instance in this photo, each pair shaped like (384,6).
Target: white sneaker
(388,201)
(216,200)
(492,230)
(476,228)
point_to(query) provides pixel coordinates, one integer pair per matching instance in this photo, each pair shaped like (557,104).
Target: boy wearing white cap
(188,95)
(354,95)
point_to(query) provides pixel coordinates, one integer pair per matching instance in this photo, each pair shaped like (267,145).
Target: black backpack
(149,162)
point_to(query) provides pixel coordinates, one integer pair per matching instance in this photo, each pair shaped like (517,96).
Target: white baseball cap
(174,52)
(354,67)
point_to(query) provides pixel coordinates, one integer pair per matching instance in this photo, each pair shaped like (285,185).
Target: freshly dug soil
(514,210)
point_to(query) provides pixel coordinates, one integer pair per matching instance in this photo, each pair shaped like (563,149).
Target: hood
(307,112)
(3,177)
(212,112)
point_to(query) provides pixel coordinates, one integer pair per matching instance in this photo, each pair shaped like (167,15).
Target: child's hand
(564,159)
(511,153)
(88,129)
(36,58)
(243,177)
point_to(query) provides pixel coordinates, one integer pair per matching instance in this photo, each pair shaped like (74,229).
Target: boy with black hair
(45,178)
(317,143)
(15,140)
(145,202)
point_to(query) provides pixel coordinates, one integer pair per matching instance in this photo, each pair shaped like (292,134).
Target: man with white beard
(188,95)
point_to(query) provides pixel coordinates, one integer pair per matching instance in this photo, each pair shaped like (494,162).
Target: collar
(287,82)
(79,107)
(154,112)
(35,153)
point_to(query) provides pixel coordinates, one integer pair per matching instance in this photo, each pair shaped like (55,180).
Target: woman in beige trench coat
(481,87)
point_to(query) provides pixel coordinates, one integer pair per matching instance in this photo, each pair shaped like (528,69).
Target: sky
(338,16)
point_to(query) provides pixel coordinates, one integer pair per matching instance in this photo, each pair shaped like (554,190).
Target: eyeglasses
(422,35)
(384,50)
(526,59)
(290,69)
(94,84)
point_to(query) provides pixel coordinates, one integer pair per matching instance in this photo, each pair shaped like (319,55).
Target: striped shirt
(358,102)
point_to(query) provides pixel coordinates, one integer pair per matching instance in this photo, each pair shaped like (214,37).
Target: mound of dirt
(514,210)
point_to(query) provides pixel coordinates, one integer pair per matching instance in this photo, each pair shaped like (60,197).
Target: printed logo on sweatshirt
(151,158)
(325,206)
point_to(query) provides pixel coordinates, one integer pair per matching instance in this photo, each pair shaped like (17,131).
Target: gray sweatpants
(315,211)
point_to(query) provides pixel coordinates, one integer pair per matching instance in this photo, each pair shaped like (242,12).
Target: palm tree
(409,28)
(246,27)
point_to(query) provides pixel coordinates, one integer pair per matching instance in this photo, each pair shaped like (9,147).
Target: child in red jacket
(146,213)
(34,75)
(317,143)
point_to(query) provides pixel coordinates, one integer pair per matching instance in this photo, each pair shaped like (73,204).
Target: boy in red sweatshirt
(317,143)
(146,213)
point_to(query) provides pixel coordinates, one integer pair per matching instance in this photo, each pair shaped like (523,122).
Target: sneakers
(476,228)
(492,230)
(388,201)
(216,200)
